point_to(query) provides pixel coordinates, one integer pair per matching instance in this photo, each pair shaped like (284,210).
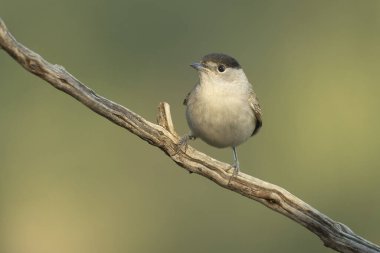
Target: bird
(222,109)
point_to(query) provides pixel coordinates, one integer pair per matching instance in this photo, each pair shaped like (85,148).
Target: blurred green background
(70,181)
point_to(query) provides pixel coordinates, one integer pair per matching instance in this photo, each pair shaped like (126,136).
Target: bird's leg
(184,140)
(235,164)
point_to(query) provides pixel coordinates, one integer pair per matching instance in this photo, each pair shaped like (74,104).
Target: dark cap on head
(224,59)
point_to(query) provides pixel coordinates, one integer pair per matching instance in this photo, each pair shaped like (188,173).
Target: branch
(334,235)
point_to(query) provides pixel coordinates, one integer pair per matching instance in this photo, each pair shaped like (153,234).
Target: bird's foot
(183,142)
(236,167)
(235,171)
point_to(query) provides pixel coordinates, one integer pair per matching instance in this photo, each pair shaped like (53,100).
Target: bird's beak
(197,65)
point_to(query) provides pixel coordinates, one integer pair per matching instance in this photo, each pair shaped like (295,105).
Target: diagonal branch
(334,235)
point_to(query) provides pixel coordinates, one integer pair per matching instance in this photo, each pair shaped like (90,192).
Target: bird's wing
(186,98)
(254,103)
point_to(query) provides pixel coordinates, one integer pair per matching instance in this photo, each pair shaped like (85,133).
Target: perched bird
(222,109)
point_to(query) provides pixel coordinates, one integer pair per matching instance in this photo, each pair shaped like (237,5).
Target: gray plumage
(222,109)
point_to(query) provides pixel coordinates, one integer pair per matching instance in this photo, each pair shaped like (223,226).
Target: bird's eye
(221,68)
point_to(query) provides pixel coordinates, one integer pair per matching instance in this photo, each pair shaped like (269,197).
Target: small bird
(222,109)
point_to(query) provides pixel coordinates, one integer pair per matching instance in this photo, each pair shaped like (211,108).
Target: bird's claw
(183,143)
(235,172)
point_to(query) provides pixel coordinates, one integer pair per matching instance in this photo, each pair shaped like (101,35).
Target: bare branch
(333,234)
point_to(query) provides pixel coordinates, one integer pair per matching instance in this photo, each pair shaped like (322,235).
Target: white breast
(220,116)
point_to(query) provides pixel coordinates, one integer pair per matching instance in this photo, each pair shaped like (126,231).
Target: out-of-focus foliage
(72,182)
